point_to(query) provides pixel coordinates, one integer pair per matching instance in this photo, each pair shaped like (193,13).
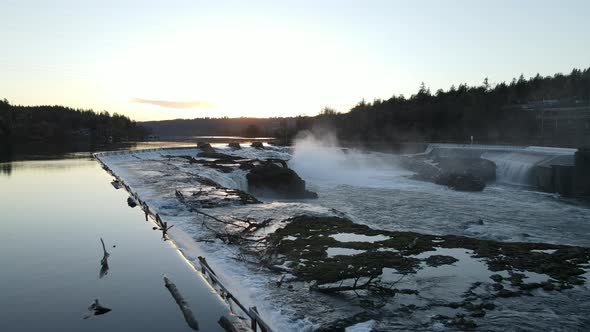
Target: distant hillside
(248,127)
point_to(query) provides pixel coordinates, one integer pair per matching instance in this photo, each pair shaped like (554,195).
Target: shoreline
(203,269)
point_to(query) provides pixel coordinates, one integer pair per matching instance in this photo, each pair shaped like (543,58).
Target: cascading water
(517,167)
(513,168)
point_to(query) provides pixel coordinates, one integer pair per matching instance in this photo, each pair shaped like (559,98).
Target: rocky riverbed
(319,264)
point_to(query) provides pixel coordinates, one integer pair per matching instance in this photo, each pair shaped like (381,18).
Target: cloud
(174,104)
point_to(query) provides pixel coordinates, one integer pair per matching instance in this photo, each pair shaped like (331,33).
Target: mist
(319,158)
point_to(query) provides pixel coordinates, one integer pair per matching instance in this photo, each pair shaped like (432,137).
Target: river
(53,214)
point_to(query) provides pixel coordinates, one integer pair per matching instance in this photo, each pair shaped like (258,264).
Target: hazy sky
(184,59)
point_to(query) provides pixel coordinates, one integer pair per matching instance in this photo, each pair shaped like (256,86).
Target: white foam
(361,327)
(351,237)
(335,251)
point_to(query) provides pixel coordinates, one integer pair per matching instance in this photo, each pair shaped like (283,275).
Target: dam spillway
(545,168)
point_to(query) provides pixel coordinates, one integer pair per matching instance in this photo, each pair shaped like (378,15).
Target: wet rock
(516,278)
(459,174)
(468,306)
(496,277)
(497,286)
(257,145)
(206,147)
(462,323)
(205,196)
(478,167)
(438,260)
(269,179)
(461,182)
(506,293)
(234,145)
(530,286)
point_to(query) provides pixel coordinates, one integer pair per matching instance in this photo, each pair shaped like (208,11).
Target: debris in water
(96,309)
(131,202)
(104,263)
(184,307)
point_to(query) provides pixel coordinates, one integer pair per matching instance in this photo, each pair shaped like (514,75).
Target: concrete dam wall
(562,170)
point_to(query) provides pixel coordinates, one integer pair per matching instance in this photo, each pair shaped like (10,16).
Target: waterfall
(514,168)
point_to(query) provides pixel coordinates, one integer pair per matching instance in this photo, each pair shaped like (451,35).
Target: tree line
(64,126)
(503,113)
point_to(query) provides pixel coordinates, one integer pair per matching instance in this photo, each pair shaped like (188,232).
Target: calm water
(53,214)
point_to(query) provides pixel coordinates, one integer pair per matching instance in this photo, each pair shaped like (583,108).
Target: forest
(64,126)
(503,113)
(506,113)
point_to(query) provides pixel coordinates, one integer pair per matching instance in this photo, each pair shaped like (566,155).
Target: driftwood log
(104,262)
(184,307)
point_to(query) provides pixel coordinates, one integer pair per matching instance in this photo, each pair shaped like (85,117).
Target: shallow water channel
(52,215)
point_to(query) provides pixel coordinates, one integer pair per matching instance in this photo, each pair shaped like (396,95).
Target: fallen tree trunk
(184,307)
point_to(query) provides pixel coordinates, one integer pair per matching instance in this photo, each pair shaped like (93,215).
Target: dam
(555,170)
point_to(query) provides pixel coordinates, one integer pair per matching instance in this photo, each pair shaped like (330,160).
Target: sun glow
(229,73)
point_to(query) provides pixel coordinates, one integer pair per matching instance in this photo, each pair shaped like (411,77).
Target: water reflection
(12,157)
(5,168)
(104,262)
(53,214)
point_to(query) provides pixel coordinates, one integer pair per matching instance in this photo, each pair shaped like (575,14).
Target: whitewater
(369,188)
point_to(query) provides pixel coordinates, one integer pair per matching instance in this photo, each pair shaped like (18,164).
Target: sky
(157,60)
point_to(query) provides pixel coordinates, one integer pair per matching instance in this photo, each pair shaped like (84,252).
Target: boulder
(482,168)
(461,182)
(206,147)
(234,145)
(270,179)
(257,145)
(463,174)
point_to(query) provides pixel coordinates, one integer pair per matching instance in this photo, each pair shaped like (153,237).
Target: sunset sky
(154,60)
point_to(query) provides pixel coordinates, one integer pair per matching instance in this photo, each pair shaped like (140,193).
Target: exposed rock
(312,238)
(257,145)
(206,147)
(269,179)
(506,293)
(204,197)
(461,182)
(496,277)
(477,167)
(234,145)
(438,260)
(459,174)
